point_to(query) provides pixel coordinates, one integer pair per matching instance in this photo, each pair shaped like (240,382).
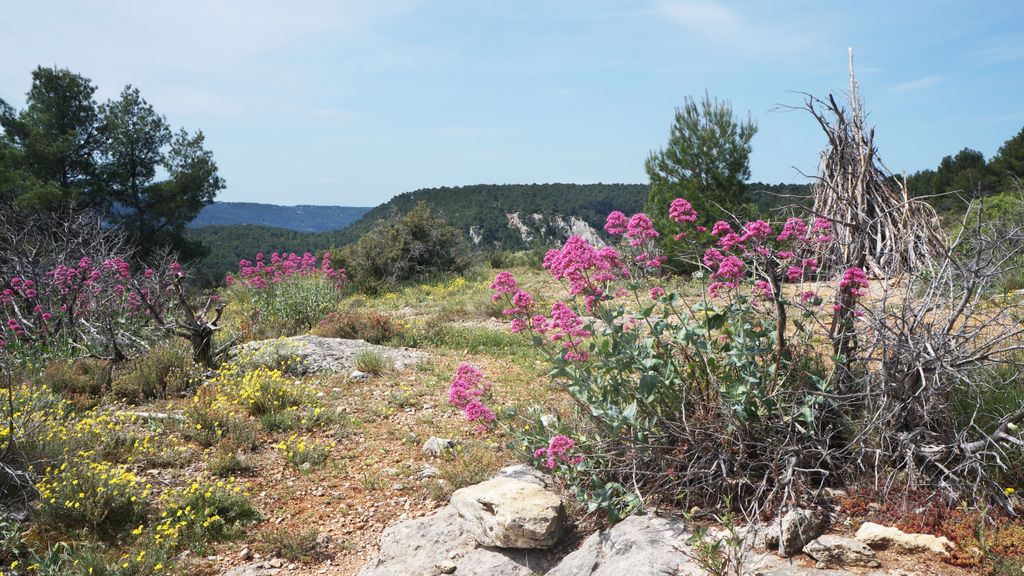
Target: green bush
(105,498)
(374,327)
(415,247)
(166,370)
(373,362)
(291,544)
(85,376)
(294,304)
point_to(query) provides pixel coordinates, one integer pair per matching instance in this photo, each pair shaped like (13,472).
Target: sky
(349,102)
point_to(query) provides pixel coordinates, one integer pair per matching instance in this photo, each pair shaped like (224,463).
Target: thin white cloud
(701,16)
(999,50)
(919,84)
(723,25)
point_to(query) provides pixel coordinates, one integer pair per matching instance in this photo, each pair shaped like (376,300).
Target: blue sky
(350,102)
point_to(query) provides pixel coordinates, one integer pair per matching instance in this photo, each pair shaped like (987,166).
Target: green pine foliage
(706,161)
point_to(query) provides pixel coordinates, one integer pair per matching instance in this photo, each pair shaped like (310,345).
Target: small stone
(831,550)
(398,487)
(525,473)
(358,376)
(446,567)
(245,554)
(435,446)
(879,536)
(428,472)
(798,526)
(276,563)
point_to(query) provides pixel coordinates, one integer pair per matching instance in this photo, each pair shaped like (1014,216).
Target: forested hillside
(229,244)
(483,211)
(299,218)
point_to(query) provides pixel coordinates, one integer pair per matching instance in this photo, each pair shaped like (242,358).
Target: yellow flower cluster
(259,390)
(84,492)
(298,450)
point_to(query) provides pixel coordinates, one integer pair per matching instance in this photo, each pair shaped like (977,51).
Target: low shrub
(210,418)
(413,247)
(104,498)
(277,355)
(87,376)
(292,544)
(204,511)
(373,362)
(166,370)
(263,391)
(304,453)
(259,390)
(374,327)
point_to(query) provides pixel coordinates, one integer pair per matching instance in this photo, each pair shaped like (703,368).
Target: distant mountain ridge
(302,218)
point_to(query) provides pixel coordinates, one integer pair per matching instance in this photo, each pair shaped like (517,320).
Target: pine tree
(707,161)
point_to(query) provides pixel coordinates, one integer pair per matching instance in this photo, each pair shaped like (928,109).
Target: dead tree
(877,226)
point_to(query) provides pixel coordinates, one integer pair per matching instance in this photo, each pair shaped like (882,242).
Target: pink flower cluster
(639,229)
(854,282)
(797,273)
(753,244)
(682,211)
(282,266)
(567,327)
(557,451)
(80,291)
(585,268)
(564,325)
(640,233)
(465,393)
(616,223)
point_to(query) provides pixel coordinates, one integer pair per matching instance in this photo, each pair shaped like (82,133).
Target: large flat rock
(319,354)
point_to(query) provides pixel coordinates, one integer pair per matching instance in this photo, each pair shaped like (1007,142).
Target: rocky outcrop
(483,532)
(506,526)
(440,543)
(879,536)
(637,546)
(316,354)
(509,513)
(798,526)
(838,551)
